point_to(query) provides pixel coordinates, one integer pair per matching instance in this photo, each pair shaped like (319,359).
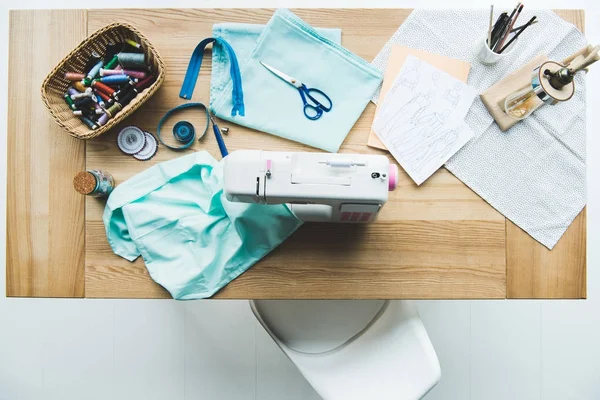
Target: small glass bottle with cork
(94,182)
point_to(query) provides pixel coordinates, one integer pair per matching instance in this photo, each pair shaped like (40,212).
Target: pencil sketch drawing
(434,148)
(421,120)
(435,76)
(423,127)
(410,77)
(453,94)
(409,113)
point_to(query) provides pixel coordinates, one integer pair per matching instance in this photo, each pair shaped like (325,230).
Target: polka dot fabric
(534,173)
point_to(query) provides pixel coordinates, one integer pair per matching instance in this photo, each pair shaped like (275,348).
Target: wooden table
(437,241)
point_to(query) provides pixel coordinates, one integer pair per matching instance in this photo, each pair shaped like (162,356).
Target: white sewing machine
(316,186)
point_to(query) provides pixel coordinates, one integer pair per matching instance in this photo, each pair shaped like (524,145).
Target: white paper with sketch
(421,120)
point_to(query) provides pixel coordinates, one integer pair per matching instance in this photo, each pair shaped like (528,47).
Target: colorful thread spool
(133,43)
(128,72)
(114,61)
(114,79)
(103,119)
(79,86)
(93,72)
(98,101)
(83,102)
(114,109)
(104,97)
(107,72)
(132,60)
(110,72)
(86,93)
(71,91)
(90,124)
(135,74)
(84,113)
(74,76)
(69,102)
(127,97)
(124,90)
(98,108)
(144,83)
(103,88)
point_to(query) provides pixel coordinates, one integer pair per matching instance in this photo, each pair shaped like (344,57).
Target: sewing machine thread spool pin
(269,165)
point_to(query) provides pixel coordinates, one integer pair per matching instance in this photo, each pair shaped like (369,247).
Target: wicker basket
(55,85)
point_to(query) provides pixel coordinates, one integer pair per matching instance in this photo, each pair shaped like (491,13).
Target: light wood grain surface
(533,271)
(45,218)
(436,241)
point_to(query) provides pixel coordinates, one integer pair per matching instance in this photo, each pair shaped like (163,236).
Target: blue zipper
(191,75)
(236,77)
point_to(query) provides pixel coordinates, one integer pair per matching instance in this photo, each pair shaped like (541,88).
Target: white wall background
(158,349)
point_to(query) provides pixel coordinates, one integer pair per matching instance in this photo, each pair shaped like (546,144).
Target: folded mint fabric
(193,240)
(242,38)
(294,47)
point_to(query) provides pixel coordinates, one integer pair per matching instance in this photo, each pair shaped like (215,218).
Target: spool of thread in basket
(128,72)
(132,60)
(74,76)
(114,79)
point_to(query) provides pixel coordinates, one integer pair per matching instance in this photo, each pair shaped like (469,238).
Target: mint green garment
(192,239)
(272,105)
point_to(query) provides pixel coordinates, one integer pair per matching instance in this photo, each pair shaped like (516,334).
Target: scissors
(311,111)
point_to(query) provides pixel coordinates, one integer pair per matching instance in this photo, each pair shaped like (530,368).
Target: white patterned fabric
(534,173)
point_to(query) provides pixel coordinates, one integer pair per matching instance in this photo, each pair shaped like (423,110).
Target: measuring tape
(183,131)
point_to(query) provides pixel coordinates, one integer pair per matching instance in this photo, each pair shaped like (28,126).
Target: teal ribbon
(183,131)
(191,75)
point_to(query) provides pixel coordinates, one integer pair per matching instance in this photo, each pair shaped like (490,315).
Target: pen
(497,27)
(510,26)
(522,26)
(517,34)
(504,28)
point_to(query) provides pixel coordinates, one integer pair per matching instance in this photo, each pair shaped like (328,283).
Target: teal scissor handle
(315,110)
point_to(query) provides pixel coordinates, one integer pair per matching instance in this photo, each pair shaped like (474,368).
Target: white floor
(105,349)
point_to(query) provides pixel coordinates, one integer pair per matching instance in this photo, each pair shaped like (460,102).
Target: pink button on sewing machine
(392,177)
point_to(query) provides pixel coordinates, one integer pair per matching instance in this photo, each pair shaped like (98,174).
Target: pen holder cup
(487,57)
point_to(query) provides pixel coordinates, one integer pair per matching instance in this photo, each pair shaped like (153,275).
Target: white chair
(356,349)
